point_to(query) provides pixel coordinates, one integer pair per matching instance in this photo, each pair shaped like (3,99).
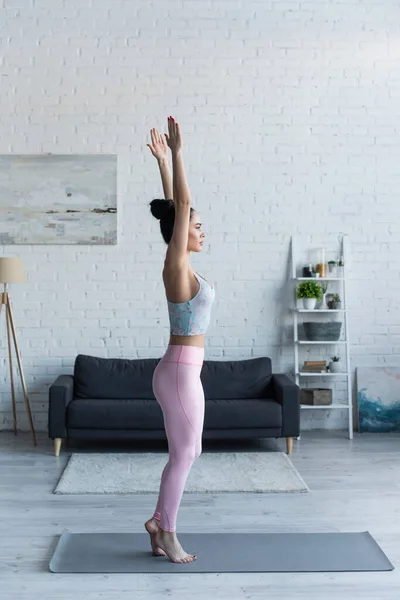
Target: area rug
(139,473)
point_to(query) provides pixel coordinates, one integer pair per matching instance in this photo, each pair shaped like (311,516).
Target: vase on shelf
(323,305)
(324,288)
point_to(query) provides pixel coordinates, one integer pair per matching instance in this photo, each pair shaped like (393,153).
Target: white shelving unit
(345,342)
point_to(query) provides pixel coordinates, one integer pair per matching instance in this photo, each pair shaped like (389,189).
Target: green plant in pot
(340,267)
(332,266)
(336,302)
(334,366)
(309,292)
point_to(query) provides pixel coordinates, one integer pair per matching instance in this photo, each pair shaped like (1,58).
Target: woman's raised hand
(158,145)
(174,138)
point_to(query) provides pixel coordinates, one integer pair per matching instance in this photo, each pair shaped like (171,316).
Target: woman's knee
(185,454)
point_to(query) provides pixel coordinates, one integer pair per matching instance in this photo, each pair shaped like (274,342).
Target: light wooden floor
(355,486)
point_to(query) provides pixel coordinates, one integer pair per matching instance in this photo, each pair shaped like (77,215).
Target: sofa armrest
(61,392)
(287,393)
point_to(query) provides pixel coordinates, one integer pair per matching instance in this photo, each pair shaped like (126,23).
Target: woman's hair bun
(159,208)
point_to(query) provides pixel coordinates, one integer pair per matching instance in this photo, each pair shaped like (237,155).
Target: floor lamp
(12,271)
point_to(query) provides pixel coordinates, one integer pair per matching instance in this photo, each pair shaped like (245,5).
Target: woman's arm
(166,179)
(177,249)
(180,185)
(159,150)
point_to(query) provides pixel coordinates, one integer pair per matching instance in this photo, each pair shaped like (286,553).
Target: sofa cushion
(242,414)
(236,379)
(146,414)
(96,377)
(112,413)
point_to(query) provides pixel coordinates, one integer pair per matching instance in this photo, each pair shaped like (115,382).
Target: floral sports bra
(193,316)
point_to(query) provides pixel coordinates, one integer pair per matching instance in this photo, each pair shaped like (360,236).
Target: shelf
(319,310)
(304,346)
(307,342)
(319,406)
(303,374)
(318,278)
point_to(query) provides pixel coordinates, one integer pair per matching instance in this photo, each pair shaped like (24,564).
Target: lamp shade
(12,270)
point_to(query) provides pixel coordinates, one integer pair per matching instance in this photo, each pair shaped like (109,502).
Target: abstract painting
(378,393)
(58,199)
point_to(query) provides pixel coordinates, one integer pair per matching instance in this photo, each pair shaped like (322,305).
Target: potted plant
(310,292)
(314,272)
(340,267)
(329,300)
(336,302)
(332,266)
(334,366)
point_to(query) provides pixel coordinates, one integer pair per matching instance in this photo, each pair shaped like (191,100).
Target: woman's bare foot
(152,526)
(167,541)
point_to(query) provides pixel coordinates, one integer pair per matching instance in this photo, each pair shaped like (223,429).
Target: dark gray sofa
(112,398)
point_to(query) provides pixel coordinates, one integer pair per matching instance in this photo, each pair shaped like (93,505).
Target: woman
(176,380)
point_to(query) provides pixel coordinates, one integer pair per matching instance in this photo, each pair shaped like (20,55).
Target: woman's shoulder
(171,270)
(180,283)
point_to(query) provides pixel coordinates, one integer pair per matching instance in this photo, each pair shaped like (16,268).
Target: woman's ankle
(166,532)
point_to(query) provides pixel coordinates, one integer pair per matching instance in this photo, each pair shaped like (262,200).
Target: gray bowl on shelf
(322,332)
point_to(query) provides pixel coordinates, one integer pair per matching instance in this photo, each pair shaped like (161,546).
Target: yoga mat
(220,553)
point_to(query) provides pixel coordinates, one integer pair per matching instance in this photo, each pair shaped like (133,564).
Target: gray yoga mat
(220,553)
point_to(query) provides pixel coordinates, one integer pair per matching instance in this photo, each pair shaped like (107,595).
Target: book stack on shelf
(315,366)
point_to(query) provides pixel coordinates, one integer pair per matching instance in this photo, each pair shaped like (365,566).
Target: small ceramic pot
(309,303)
(332,269)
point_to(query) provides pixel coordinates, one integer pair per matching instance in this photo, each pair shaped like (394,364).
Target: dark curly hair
(164,210)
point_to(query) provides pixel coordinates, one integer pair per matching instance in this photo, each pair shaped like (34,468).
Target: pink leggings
(178,390)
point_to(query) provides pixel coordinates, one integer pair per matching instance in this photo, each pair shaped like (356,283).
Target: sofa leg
(57,446)
(289,445)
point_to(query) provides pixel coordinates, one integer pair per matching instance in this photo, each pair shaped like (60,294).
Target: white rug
(134,473)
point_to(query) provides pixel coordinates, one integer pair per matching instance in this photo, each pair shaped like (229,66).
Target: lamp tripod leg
(14,406)
(26,398)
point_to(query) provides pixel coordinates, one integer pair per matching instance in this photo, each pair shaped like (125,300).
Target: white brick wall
(290,113)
